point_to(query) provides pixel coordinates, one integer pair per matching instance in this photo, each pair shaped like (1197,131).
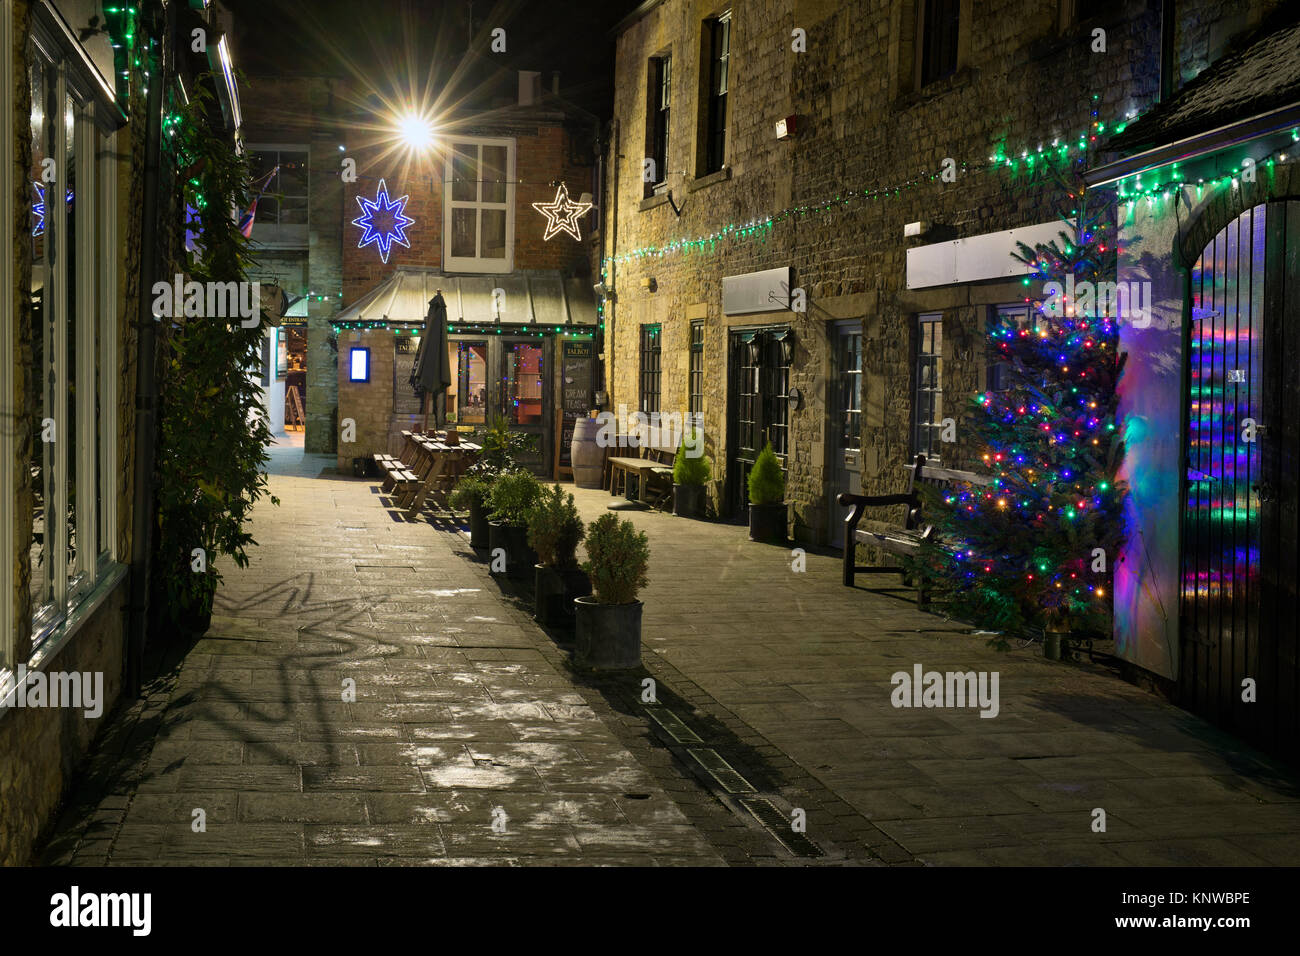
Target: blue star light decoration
(383,222)
(562,214)
(38,210)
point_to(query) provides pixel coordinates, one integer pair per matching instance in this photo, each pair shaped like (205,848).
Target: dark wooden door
(757,405)
(1239,621)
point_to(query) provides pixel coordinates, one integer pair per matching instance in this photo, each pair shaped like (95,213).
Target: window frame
(477,263)
(659,80)
(279,235)
(651,367)
(924,37)
(695,380)
(8,347)
(930,447)
(92,320)
(715,103)
(848,414)
(1025,316)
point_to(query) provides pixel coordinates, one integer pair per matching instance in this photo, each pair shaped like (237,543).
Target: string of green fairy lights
(1060,150)
(462,328)
(1131,194)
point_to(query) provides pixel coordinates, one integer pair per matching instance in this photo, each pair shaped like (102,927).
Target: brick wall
(542,156)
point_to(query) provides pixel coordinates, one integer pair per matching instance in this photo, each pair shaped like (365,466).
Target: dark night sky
(371,36)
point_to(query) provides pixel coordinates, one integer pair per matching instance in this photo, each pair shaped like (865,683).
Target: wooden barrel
(587,457)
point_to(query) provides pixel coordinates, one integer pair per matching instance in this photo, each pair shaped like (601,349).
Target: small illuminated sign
(359,365)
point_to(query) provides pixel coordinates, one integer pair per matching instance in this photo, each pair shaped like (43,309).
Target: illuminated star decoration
(383,222)
(38,210)
(562,215)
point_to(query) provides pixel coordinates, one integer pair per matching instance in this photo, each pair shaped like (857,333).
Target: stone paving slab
(459,720)
(805,664)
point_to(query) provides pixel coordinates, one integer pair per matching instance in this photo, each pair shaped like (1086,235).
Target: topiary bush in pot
(470,495)
(691,471)
(767,510)
(608,624)
(509,504)
(554,531)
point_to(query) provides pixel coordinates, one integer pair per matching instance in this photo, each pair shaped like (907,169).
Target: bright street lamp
(415,131)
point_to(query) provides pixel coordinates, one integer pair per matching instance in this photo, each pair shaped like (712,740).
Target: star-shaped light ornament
(562,214)
(38,210)
(383,222)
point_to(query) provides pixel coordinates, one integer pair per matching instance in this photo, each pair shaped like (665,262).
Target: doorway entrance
(1240,520)
(758,408)
(502,375)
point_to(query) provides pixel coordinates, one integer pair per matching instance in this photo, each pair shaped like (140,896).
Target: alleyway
(470,741)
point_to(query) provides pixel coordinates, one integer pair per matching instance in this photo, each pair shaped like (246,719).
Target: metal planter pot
(606,636)
(479,533)
(767,523)
(688,501)
(553,592)
(513,540)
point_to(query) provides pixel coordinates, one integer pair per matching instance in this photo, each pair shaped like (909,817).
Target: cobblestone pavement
(801,665)
(770,705)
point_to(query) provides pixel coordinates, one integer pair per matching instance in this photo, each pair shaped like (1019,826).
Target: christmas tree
(1036,546)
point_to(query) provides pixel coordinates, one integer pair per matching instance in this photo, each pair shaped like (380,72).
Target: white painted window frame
(477,263)
(9,423)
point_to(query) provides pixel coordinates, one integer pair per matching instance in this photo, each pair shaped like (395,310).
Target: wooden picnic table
(428,466)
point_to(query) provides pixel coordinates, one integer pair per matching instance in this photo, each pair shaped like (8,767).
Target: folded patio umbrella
(430,373)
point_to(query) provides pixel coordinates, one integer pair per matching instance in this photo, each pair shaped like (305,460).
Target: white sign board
(767,291)
(975,258)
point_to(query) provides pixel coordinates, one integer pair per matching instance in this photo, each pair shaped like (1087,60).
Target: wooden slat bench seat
(652,468)
(905,539)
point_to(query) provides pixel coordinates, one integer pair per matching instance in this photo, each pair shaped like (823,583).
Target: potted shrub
(500,453)
(690,474)
(607,624)
(470,495)
(767,510)
(554,530)
(509,502)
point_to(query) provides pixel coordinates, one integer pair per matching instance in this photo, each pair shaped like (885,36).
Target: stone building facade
(75,128)
(317,121)
(877,107)
(304,119)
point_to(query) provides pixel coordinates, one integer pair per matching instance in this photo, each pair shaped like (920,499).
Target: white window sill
(56,637)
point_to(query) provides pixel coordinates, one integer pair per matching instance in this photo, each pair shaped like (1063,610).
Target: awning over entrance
(523,297)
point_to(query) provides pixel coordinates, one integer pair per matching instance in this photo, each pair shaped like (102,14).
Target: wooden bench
(399,472)
(652,467)
(905,539)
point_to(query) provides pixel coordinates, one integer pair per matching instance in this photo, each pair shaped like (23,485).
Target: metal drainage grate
(672,725)
(775,822)
(724,773)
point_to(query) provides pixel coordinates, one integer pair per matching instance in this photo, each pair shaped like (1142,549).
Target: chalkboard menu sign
(575,396)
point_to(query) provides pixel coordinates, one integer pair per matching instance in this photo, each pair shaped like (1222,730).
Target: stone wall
(1023,80)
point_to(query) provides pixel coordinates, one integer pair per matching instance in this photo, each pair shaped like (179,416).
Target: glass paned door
(504,377)
(758,404)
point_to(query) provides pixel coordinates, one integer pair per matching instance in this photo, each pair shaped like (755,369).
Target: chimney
(530,87)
